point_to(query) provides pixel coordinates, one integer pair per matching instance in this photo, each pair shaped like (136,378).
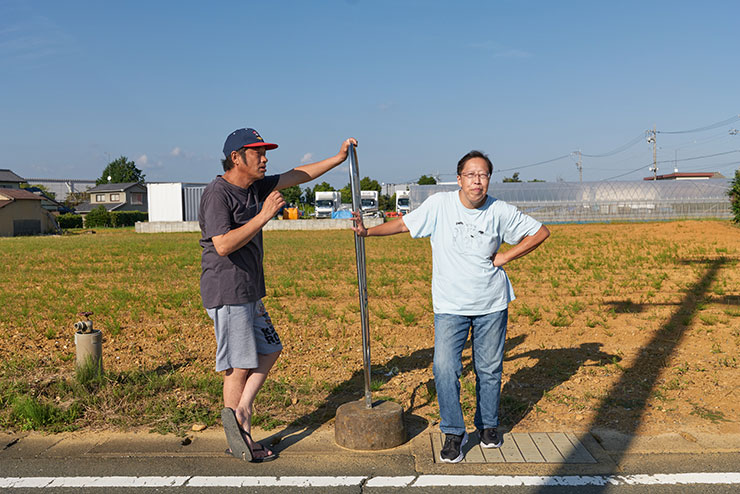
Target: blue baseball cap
(245,138)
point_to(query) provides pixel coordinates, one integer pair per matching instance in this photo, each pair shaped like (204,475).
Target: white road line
(576,480)
(683,478)
(274,481)
(118,482)
(400,481)
(390,481)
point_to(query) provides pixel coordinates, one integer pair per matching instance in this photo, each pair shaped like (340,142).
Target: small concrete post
(89,344)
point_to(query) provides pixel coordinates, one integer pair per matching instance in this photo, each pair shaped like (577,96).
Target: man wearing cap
(470,291)
(234,208)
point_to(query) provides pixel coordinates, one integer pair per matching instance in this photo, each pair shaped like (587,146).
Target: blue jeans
(487,337)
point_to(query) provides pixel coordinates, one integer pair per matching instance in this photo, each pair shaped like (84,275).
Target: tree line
(123,170)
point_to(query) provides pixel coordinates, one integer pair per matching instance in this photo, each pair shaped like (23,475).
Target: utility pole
(651,138)
(579,165)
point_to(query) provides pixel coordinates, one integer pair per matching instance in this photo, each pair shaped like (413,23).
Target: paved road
(310,461)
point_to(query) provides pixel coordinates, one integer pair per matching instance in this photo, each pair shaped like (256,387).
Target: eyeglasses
(479,176)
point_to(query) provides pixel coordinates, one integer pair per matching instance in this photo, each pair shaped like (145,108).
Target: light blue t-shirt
(464,279)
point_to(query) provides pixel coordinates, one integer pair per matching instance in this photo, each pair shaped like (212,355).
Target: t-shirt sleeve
(518,225)
(265,186)
(422,220)
(216,215)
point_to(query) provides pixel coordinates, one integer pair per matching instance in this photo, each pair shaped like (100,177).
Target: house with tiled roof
(21,214)
(9,180)
(116,197)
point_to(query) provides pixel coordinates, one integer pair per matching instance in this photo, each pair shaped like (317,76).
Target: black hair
(471,155)
(227,163)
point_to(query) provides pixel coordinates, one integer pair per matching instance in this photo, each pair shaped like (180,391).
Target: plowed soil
(633,327)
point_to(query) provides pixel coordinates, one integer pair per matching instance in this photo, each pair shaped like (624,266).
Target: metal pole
(354,180)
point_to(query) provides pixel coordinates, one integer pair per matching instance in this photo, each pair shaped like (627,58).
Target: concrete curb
(211,442)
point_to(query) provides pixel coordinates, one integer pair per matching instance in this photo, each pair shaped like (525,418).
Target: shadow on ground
(642,376)
(353,389)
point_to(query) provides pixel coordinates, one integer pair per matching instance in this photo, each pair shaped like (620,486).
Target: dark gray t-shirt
(237,278)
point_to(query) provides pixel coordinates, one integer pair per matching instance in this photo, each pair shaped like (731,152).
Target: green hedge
(69,220)
(99,216)
(127,218)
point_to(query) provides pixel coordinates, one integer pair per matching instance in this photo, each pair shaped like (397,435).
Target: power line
(651,135)
(699,129)
(624,174)
(700,157)
(534,164)
(719,166)
(699,142)
(687,159)
(617,150)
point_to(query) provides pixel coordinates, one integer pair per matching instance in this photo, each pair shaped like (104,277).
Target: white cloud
(307,158)
(142,160)
(176,151)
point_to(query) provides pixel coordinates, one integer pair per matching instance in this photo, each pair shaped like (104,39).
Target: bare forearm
(527,245)
(239,237)
(306,173)
(390,228)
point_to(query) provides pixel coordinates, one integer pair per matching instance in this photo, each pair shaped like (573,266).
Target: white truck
(327,202)
(369,200)
(402,202)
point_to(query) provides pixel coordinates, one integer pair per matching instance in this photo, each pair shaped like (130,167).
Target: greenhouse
(565,202)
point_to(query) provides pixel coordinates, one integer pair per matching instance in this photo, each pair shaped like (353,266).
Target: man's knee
(445,368)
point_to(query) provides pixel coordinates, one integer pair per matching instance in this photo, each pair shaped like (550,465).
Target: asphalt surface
(311,459)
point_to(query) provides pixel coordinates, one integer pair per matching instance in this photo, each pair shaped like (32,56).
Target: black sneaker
(452,450)
(489,438)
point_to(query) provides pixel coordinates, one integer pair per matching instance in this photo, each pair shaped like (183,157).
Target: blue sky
(418,83)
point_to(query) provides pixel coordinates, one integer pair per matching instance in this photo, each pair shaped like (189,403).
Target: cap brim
(266,145)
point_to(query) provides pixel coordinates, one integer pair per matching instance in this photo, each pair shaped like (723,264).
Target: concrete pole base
(89,349)
(362,428)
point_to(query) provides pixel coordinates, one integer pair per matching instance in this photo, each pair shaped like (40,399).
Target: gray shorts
(242,332)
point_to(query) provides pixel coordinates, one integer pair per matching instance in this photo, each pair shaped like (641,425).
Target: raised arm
(306,173)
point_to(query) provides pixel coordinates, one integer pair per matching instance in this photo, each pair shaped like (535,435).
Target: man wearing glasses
(470,290)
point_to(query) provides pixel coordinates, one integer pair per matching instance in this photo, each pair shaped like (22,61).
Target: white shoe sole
(490,445)
(460,456)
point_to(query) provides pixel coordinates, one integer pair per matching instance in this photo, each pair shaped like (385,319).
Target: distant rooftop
(8,196)
(86,207)
(8,176)
(687,176)
(113,187)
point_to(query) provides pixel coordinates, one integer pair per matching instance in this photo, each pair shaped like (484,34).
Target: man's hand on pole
(358,226)
(344,150)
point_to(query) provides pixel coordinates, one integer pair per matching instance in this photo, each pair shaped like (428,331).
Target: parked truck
(402,202)
(369,200)
(327,202)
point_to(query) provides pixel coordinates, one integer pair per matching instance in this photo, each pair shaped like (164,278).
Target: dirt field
(633,327)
